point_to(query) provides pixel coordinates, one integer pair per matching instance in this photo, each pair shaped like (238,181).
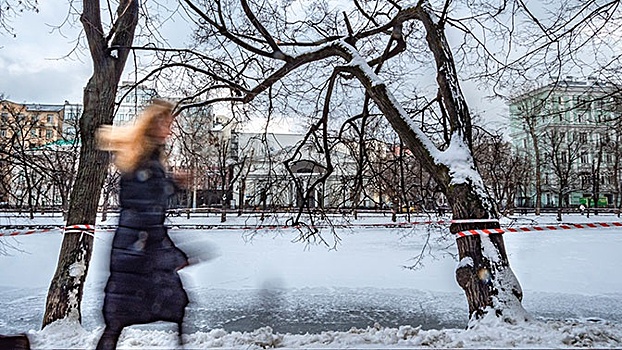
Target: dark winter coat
(144,286)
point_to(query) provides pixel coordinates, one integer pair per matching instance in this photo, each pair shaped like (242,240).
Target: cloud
(33,65)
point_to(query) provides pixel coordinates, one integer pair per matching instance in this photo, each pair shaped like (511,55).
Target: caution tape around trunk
(539,228)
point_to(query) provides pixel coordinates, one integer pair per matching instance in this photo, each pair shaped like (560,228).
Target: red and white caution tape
(29,232)
(90,229)
(538,228)
(79,228)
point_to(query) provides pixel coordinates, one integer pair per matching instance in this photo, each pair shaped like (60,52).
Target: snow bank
(535,334)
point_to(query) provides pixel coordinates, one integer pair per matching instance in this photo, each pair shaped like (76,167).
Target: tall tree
(109,52)
(258,41)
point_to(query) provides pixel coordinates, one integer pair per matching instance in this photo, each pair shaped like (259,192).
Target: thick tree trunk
(109,56)
(67,286)
(484,271)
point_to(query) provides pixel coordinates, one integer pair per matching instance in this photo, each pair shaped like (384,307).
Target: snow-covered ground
(263,288)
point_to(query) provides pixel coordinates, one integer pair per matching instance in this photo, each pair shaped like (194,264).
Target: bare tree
(9,9)
(38,164)
(563,150)
(110,190)
(255,34)
(191,140)
(502,169)
(533,115)
(109,52)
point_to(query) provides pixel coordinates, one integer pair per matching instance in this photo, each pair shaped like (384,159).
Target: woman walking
(143,285)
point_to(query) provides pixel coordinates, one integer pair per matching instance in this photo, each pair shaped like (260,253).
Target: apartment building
(131,99)
(24,128)
(33,124)
(570,130)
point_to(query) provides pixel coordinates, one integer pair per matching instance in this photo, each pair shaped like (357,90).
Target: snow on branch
(457,158)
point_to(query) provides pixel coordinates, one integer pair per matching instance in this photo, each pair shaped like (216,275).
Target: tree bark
(483,273)
(67,286)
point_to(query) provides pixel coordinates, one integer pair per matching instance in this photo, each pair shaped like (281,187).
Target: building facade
(33,124)
(131,99)
(570,131)
(24,130)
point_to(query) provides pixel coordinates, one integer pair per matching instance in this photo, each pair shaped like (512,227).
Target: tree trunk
(241,196)
(538,172)
(67,286)
(109,55)
(484,271)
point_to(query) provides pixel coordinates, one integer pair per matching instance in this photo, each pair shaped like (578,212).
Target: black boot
(109,338)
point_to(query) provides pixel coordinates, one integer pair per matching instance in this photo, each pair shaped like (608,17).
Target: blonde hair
(132,144)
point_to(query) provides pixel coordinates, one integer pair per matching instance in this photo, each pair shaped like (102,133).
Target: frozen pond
(266,279)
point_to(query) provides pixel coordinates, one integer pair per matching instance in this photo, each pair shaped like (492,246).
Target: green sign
(602,202)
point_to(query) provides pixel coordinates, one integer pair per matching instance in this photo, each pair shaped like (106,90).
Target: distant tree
(110,190)
(562,152)
(38,165)
(532,116)
(502,169)
(18,127)
(229,172)
(194,154)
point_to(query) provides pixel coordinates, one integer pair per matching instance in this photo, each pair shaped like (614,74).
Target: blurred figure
(143,286)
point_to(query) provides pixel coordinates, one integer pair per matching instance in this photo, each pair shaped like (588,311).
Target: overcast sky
(34,67)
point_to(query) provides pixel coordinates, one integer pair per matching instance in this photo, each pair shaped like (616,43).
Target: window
(3,133)
(583,137)
(604,180)
(50,118)
(49,133)
(585,180)
(585,159)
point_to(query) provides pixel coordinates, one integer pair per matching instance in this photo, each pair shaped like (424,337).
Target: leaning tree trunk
(109,57)
(484,271)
